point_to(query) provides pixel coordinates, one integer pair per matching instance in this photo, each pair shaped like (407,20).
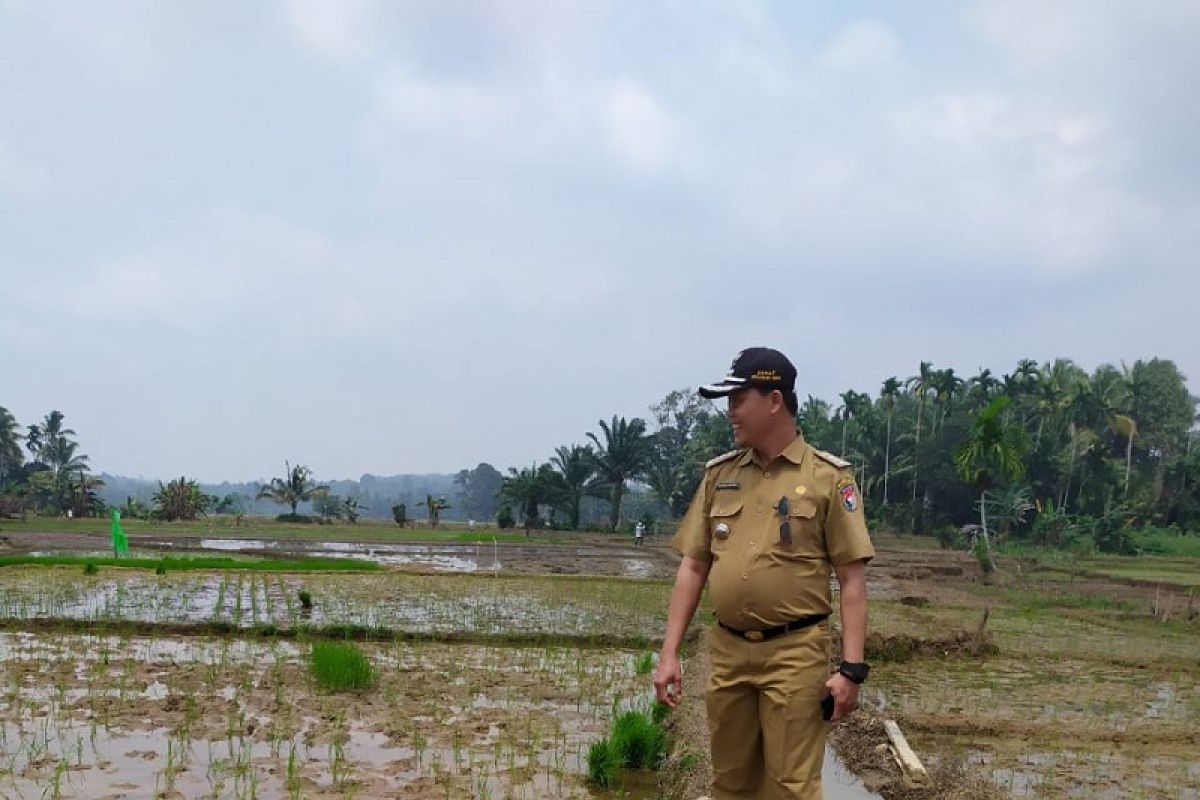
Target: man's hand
(845,695)
(668,680)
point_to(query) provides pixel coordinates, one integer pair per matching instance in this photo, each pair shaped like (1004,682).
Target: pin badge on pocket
(722,531)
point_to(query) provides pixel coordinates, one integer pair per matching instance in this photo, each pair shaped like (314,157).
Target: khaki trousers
(764,712)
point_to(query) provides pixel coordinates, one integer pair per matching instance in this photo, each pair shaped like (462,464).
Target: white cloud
(339,30)
(639,130)
(19,176)
(863,45)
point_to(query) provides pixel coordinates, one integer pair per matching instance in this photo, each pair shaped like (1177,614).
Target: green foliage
(638,741)
(180,499)
(434,506)
(644,664)
(624,455)
(305,598)
(603,764)
(295,487)
(529,489)
(505,518)
(659,712)
(400,514)
(341,666)
(90,568)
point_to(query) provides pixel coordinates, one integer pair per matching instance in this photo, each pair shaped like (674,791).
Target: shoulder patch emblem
(830,458)
(721,459)
(848,494)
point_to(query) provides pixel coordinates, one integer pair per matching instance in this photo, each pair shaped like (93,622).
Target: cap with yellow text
(760,367)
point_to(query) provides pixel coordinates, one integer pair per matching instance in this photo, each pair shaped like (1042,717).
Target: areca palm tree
(920,385)
(622,456)
(295,487)
(576,468)
(946,385)
(889,394)
(992,452)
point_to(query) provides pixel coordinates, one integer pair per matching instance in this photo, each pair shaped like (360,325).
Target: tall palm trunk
(1066,492)
(615,511)
(1128,459)
(916,457)
(989,565)
(887,458)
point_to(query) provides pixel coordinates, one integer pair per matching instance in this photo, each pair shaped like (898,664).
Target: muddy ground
(1075,685)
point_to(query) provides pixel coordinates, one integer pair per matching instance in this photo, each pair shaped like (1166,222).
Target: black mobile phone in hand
(827,706)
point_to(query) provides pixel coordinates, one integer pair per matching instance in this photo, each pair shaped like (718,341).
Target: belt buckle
(754,636)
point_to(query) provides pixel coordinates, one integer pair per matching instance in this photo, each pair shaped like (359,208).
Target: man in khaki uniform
(766,527)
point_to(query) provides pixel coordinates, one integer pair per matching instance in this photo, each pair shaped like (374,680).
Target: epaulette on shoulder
(840,463)
(721,459)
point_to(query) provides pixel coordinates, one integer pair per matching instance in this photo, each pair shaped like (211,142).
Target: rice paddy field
(479,675)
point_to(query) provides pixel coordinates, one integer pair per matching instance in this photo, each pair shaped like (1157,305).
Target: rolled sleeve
(846,536)
(692,537)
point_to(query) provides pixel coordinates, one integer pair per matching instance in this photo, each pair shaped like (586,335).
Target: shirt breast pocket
(808,538)
(723,520)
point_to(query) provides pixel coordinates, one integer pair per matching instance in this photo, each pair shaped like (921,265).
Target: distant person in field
(639,531)
(768,524)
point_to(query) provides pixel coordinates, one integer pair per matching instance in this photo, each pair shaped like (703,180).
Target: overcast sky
(410,237)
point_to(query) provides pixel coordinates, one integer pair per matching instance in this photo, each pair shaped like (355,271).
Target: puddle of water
(838,783)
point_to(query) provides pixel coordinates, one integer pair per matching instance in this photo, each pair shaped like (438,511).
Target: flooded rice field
(482,556)
(393,601)
(110,717)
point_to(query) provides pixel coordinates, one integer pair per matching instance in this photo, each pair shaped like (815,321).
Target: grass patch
(638,742)
(643,664)
(603,764)
(341,667)
(183,564)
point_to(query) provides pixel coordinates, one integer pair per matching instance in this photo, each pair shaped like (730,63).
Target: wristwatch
(855,672)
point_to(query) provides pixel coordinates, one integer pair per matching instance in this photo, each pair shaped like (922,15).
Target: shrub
(505,518)
(305,598)
(341,666)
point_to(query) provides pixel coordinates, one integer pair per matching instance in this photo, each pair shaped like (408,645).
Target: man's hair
(790,399)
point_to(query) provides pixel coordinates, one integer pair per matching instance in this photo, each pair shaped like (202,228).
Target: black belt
(778,630)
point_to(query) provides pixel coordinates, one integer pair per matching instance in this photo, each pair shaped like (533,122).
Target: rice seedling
(341,666)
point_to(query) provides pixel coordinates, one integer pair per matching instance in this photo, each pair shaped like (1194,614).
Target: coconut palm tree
(10,443)
(576,469)
(44,435)
(295,487)
(622,456)
(992,452)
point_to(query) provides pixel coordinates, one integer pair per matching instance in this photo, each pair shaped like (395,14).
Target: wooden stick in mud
(912,767)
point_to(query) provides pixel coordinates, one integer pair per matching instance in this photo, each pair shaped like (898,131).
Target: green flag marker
(120,543)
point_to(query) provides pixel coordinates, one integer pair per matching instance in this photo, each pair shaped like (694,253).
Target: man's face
(750,415)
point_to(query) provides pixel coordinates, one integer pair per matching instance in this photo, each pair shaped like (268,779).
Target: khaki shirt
(757,580)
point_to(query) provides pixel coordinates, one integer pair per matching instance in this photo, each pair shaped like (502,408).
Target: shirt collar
(794,453)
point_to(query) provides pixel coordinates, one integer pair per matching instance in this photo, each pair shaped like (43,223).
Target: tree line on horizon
(1049,452)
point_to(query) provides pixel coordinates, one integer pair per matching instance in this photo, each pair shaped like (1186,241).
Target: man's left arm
(852,578)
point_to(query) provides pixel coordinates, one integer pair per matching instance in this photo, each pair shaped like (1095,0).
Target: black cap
(755,366)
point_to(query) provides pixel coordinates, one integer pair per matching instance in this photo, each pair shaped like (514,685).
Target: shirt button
(766,474)
(745,575)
